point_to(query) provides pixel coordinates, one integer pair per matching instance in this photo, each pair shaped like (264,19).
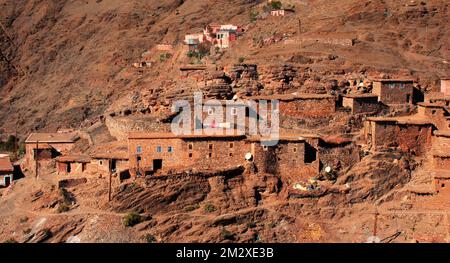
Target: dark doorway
(310,153)
(113,165)
(68,167)
(7,180)
(157,164)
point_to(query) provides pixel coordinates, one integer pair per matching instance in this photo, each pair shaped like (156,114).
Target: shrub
(251,224)
(226,234)
(276,5)
(132,219)
(63,208)
(150,238)
(164,56)
(190,208)
(253,16)
(27,231)
(67,198)
(241,60)
(210,208)
(23,219)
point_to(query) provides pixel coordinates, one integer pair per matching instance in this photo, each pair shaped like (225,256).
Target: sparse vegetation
(150,238)
(164,56)
(190,208)
(23,219)
(241,60)
(226,234)
(253,16)
(27,231)
(210,208)
(132,219)
(251,224)
(63,208)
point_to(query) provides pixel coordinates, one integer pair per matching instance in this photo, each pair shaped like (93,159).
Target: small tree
(276,5)
(253,16)
(241,60)
(132,219)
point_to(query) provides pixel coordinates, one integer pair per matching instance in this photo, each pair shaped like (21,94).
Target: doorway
(157,164)
(113,165)
(7,180)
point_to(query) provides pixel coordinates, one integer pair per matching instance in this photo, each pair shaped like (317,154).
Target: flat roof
(5,164)
(358,96)
(393,80)
(411,120)
(78,158)
(111,150)
(169,135)
(429,105)
(52,137)
(298,96)
(441,133)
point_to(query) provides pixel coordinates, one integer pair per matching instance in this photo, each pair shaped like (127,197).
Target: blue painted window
(139,149)
(158,149)
(170,149)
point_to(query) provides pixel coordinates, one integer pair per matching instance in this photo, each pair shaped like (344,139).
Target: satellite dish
(328,169)
(248,156)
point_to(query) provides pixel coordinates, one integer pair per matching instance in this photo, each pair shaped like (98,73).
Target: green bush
(226,234)
(150,238)
(241,60)
(253,16)
(132,219)
(210,208)
(164,56)
(276,5)
(63,208)
(190,208)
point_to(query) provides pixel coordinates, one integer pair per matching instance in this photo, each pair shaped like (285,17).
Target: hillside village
(373,139)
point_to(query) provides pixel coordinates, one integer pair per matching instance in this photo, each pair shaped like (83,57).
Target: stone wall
(300,108)
(394,92)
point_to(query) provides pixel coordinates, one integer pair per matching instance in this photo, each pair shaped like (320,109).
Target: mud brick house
(6,171)
(441,150)
(302,105)
(110,157)
(193,40)
(72,164)
(394,91)
(445,86)
(435,113)
(150,152)
(46,146)
(221,114)
(361,103)
(438,98)
(408,134)
(294,157)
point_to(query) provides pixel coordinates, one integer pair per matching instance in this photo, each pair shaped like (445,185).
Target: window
(191,146)
(231,154)
(294,149)
(190,155)
(170,149)
(234,111)
(210,111)
(139,149)
(231,145)
(433,112)
(265,147)
(209,155)
(210,146)
(100,163)
(158,149)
